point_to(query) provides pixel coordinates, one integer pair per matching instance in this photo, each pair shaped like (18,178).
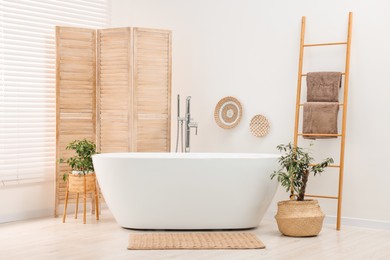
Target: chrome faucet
(188,125)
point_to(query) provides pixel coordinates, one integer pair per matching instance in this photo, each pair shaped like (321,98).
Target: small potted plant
(298,217)
(82,179)
(81,164)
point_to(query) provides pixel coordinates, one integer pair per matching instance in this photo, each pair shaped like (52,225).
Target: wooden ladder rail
(344,106)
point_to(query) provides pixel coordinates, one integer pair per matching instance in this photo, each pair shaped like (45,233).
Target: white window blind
(27,81)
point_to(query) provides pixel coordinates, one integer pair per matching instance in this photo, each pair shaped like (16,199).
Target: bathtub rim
(167,155)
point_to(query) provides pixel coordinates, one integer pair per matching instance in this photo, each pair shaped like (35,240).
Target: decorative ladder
(343,105)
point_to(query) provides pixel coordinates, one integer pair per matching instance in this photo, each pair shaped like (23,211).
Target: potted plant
(81,162)
(82,178)
(297,216)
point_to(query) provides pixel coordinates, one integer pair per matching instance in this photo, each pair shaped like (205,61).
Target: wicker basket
(299,218)
(76,182)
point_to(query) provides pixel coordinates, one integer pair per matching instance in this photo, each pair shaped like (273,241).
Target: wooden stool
(82,183)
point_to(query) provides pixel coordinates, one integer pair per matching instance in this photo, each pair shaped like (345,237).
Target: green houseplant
(81,162)
(83,178)
(297,216)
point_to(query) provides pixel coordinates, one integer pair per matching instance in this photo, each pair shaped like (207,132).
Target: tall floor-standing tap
(188,125)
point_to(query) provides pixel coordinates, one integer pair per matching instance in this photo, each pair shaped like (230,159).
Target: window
(27,81)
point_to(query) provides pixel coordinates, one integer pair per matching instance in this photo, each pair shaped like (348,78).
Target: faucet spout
(188,104)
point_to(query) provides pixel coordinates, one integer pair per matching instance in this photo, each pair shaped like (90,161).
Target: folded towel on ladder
(320,118)
(323,86)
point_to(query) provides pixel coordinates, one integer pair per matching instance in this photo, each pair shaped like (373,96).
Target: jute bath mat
(201,240)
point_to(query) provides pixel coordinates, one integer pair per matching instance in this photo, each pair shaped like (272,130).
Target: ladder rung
(320,196)
(320,134)
(330,165)
(304,75)
(341,104)
(324,44)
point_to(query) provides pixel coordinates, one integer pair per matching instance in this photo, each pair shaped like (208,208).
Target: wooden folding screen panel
(114,90)
(152,90)
(76,95)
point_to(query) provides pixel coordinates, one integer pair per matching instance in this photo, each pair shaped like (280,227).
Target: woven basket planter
(299,218)
(76,182)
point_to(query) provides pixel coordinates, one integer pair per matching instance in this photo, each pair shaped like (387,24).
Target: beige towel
(320,118)
(323,86)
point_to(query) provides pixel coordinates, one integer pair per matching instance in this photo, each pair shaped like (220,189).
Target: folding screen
(114,88)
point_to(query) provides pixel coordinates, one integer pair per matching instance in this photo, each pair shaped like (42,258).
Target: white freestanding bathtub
(186,190)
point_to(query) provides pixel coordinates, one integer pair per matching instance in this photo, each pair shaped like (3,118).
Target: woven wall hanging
(228,112)
(259,126)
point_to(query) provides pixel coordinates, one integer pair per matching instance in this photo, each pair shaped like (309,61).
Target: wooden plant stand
(82,184)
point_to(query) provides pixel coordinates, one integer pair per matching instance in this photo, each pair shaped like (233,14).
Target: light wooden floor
(49,238)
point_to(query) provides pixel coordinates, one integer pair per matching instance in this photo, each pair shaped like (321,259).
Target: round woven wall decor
(228,112)
(259,126)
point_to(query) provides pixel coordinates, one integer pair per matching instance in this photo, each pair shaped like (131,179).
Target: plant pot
(74,172)
(77,182)
(299,218)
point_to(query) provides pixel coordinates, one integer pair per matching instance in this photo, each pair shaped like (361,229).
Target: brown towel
(323,86)
(320,118)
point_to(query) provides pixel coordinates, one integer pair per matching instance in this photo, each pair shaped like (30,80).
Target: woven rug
(201,240)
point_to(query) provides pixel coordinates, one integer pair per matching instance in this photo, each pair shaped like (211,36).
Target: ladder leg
(299,87)
(344,123)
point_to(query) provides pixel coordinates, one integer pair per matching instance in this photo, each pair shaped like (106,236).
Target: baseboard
(42,213)
(355,222)
(26,215)
(359,222)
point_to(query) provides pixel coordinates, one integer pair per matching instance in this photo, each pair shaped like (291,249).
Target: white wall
(26,201)
(249,49)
